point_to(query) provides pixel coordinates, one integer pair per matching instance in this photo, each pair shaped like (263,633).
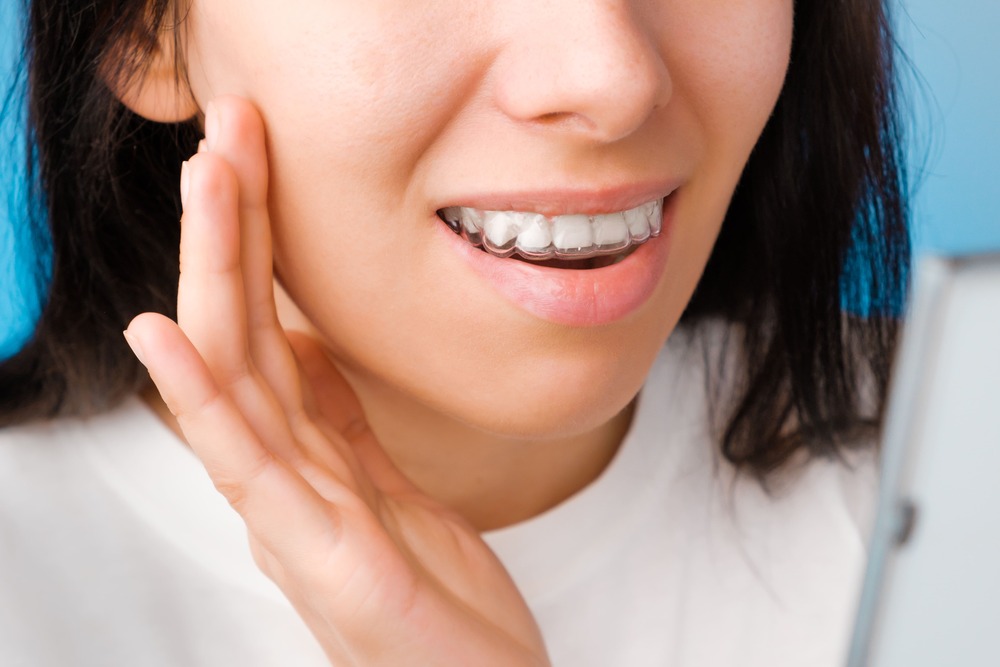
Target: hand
(381,574)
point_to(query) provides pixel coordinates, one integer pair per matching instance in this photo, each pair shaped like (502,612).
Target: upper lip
(570,200)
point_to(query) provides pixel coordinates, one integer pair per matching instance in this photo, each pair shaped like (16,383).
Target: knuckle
(237,488)
(234,492)
(235,372)
(195,408)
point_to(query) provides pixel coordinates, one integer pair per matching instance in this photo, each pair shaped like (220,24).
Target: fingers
(333,396)
(259,485)
(211,305)
(336,401)
(210,292)
(323,546)
(225,296)
(235,132)
(226,306)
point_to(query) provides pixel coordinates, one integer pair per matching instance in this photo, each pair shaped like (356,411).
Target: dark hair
(106,180)
(818,220)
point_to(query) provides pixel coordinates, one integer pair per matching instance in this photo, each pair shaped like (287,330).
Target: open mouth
(575,241)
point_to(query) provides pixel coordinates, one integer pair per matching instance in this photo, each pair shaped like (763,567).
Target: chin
(554,397)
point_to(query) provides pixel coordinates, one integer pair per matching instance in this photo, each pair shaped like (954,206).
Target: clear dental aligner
(535,236)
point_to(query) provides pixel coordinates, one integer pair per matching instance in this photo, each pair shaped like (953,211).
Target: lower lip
(579,298)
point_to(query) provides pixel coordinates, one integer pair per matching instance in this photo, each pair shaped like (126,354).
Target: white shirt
(115,549)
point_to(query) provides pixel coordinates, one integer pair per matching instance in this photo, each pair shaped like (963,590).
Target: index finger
(259,485)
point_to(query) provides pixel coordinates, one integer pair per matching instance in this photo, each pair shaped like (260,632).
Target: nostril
(553,117)
(567,121)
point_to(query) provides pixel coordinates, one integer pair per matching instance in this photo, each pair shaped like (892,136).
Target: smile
(623,255)
(536,237)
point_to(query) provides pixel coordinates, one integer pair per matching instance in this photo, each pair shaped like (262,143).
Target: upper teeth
(535,236)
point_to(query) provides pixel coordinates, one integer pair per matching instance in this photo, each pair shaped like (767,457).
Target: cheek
(352,95)
(379,88)
(729,61)
(370,78)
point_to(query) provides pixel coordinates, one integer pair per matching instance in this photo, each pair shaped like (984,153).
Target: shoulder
(49,469)
(786,557)
(807,525)
(812,510)
(689,541)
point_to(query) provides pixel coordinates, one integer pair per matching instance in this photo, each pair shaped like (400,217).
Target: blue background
(18,297)
(952,88)
(954,105)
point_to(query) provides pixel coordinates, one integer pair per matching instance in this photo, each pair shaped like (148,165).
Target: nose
(590,68)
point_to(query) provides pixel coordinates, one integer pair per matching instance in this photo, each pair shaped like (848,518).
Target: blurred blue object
(952,91)
(954,97)
(20,260)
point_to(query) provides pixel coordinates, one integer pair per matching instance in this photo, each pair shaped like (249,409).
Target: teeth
(500,230)
(572,235)
(611,232)
(654,215)
(473,222)
(469,219)
(638,224)
(535,239)
(535,236)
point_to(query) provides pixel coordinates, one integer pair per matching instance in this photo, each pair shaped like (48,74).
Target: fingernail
(185,184)
(136,348)
(211,124)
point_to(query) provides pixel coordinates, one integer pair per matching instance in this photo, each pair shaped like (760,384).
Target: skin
(420,399)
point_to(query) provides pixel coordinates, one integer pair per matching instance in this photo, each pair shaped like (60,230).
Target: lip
(567,201)
(577,298)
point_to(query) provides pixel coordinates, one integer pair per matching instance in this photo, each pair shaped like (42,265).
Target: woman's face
(381,113)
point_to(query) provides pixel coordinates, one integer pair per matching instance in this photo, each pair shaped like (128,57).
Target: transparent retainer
(536,237)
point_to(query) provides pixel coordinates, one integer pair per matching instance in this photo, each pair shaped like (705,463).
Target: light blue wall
(954,154)
(955,102)
(19,304)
